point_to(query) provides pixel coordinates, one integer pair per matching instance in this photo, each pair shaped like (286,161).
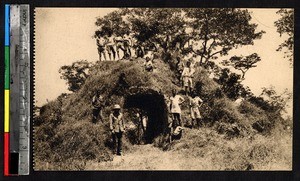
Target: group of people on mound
(113,45)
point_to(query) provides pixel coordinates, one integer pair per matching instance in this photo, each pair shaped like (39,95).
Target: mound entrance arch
(153,104)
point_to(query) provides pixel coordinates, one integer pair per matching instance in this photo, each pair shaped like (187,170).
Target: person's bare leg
(191,89)
(193,125)
(104,56)
(118,53)
(129,51)
(198,122)
(109,56)
(179,120)
(114,53)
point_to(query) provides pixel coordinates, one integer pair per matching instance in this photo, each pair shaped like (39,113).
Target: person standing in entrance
(117,127)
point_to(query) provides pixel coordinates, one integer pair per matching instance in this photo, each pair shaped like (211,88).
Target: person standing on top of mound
(175,102)
(98,104)
(127,44)
(110,48)
(195,104)
(186,77)
(117,127)
(119,45)
(101,47)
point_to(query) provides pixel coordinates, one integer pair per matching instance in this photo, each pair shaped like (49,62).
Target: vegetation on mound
(64,132)
(236,136)
(214,152)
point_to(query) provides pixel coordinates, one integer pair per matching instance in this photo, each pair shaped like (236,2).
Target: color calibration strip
(17,90)
(6,91)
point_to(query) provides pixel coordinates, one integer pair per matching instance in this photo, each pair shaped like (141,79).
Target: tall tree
(217,30)
(285,25)
(243,63)
(157,25)
(112,23)
(220,30)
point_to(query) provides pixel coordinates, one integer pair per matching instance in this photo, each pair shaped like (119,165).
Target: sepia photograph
(190,89)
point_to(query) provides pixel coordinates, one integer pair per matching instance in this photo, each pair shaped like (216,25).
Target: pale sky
(64,35)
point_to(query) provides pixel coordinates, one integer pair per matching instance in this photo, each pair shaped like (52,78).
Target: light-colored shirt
(119,41)
(118,38)
(116,123)
(211,75)
(148,64)
(127,37)
(195,102)
(100,41)
(110,41)
(149,54)
(188,72)
(97,102)
(181,65)
(239,101)
(175,103)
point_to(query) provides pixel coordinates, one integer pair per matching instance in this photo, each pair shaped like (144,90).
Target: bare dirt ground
(146,157)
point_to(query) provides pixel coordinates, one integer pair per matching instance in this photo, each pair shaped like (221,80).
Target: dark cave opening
(153,104)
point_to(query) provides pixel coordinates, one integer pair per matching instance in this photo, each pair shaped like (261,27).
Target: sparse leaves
(278,102)
(243,63)
(221,30)
(285,25)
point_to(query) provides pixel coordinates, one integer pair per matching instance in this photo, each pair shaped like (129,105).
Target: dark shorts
(126,44)
(110,48)
(176,120)
(100,49)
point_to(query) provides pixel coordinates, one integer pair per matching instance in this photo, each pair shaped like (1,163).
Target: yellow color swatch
(6,111)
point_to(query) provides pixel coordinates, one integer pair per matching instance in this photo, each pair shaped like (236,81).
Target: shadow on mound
(153,104)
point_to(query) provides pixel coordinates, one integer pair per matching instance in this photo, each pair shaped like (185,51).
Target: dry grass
(205,149)
(228,142)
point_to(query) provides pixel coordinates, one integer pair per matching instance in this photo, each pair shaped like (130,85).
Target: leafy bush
(75,74)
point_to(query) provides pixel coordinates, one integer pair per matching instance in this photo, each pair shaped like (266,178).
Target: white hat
(117,106)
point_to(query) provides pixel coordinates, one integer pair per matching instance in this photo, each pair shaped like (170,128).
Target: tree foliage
(75,74)
(230,84)
(112,23)
(157,25)
(243,63)
(285,25)
(218,30)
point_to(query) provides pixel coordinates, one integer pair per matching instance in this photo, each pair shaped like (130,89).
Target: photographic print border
(174,175)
